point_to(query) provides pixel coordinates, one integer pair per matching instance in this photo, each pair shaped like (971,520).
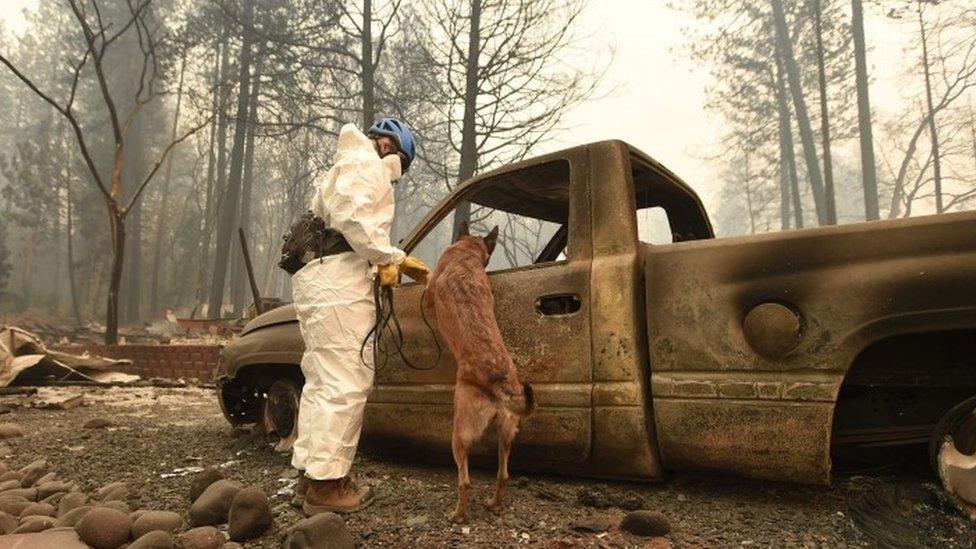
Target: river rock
(72,517)
(53,538)
(48,489)
(48,477)
(8,523)
(232,545)
(104,528)
(25,493)
(117,505)
(645,523)
(14,505)
(10,430)
(250,514)
(593,525)
(213,505)
(39,463)
(32,473)
(204,537)
(53,499)
(11,484)
(12,475)
(34,524)
(98,423)
(115,491)
(322,531)
(156,539)
(45,509)
(202,480)
(166,521)
(71,500)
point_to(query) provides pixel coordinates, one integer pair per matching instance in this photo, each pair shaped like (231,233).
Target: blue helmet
(391,127)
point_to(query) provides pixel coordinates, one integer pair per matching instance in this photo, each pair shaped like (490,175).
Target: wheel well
(261,376)
(898,388)
(242,398)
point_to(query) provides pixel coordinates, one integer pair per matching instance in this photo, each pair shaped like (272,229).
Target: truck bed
(718,404)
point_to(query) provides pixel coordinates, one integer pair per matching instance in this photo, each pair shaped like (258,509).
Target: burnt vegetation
(143,133)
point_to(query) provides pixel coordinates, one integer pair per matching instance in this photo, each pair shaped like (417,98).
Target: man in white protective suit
(334,304)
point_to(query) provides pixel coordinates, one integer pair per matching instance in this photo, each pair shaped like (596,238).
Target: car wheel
(281,411)
(960,424)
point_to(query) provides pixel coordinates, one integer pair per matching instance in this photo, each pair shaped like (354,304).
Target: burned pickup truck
(655,347)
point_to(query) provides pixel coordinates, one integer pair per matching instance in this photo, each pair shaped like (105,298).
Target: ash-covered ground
(161,436)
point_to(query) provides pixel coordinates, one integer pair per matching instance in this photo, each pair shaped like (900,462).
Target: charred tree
(933,131)
(785,47)
(163,214)
(237,283)
(789,186)
(217,164)
(98,36)
(869,174)
(230,206)
(830,203)
(469,151)
(367,71)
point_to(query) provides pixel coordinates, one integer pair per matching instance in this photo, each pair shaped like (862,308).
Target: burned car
(653,346)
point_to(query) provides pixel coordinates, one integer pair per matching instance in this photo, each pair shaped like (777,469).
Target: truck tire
(281,411)
(959,423)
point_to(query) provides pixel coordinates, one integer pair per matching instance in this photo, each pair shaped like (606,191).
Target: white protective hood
(356,197)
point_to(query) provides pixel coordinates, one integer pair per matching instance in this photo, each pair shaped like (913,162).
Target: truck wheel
(281,411)
(959,423)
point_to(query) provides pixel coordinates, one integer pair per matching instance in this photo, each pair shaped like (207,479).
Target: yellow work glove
(415,269)
(388,275)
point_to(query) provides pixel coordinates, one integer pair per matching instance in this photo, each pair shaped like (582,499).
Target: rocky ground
(161,437)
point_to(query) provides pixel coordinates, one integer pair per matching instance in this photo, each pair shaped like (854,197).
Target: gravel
(163,437)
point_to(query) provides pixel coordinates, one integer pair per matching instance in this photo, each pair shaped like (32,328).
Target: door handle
(558,304)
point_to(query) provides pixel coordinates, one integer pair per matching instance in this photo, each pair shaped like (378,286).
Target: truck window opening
(531,209)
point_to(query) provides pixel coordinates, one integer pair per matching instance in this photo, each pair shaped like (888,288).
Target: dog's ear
(491,240)
(462,230)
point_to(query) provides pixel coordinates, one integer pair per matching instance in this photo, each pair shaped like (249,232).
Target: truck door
(540,276)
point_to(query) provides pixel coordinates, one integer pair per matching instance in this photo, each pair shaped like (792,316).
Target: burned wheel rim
(959,423)
(281,406)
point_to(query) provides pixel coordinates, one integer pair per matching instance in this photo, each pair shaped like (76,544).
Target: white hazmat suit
(334,304)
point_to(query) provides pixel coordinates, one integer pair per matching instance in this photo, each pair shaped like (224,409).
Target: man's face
(386,146)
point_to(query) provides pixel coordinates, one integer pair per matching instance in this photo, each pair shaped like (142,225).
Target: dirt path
(162,432)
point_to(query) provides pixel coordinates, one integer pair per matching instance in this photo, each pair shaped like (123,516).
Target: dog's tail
(523,404)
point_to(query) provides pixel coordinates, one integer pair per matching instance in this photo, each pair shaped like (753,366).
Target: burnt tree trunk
(787,151)
(972,130)
(869,174)
(231,201)
(469,136)
(752,214)
(829,200)
(130,291)
(162,215)
(367,70)
(69,222)
(933,131)
(215,169)
(785,46)
(237,282)
(117,231)
(30,260)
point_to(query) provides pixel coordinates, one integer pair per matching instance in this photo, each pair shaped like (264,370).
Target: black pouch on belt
(307,239)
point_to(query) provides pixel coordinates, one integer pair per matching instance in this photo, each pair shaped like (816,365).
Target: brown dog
(488,388)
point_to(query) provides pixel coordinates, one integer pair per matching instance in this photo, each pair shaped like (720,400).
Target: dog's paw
(458,517)
(494,506)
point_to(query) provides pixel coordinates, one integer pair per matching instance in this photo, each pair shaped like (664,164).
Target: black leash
(384,314)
